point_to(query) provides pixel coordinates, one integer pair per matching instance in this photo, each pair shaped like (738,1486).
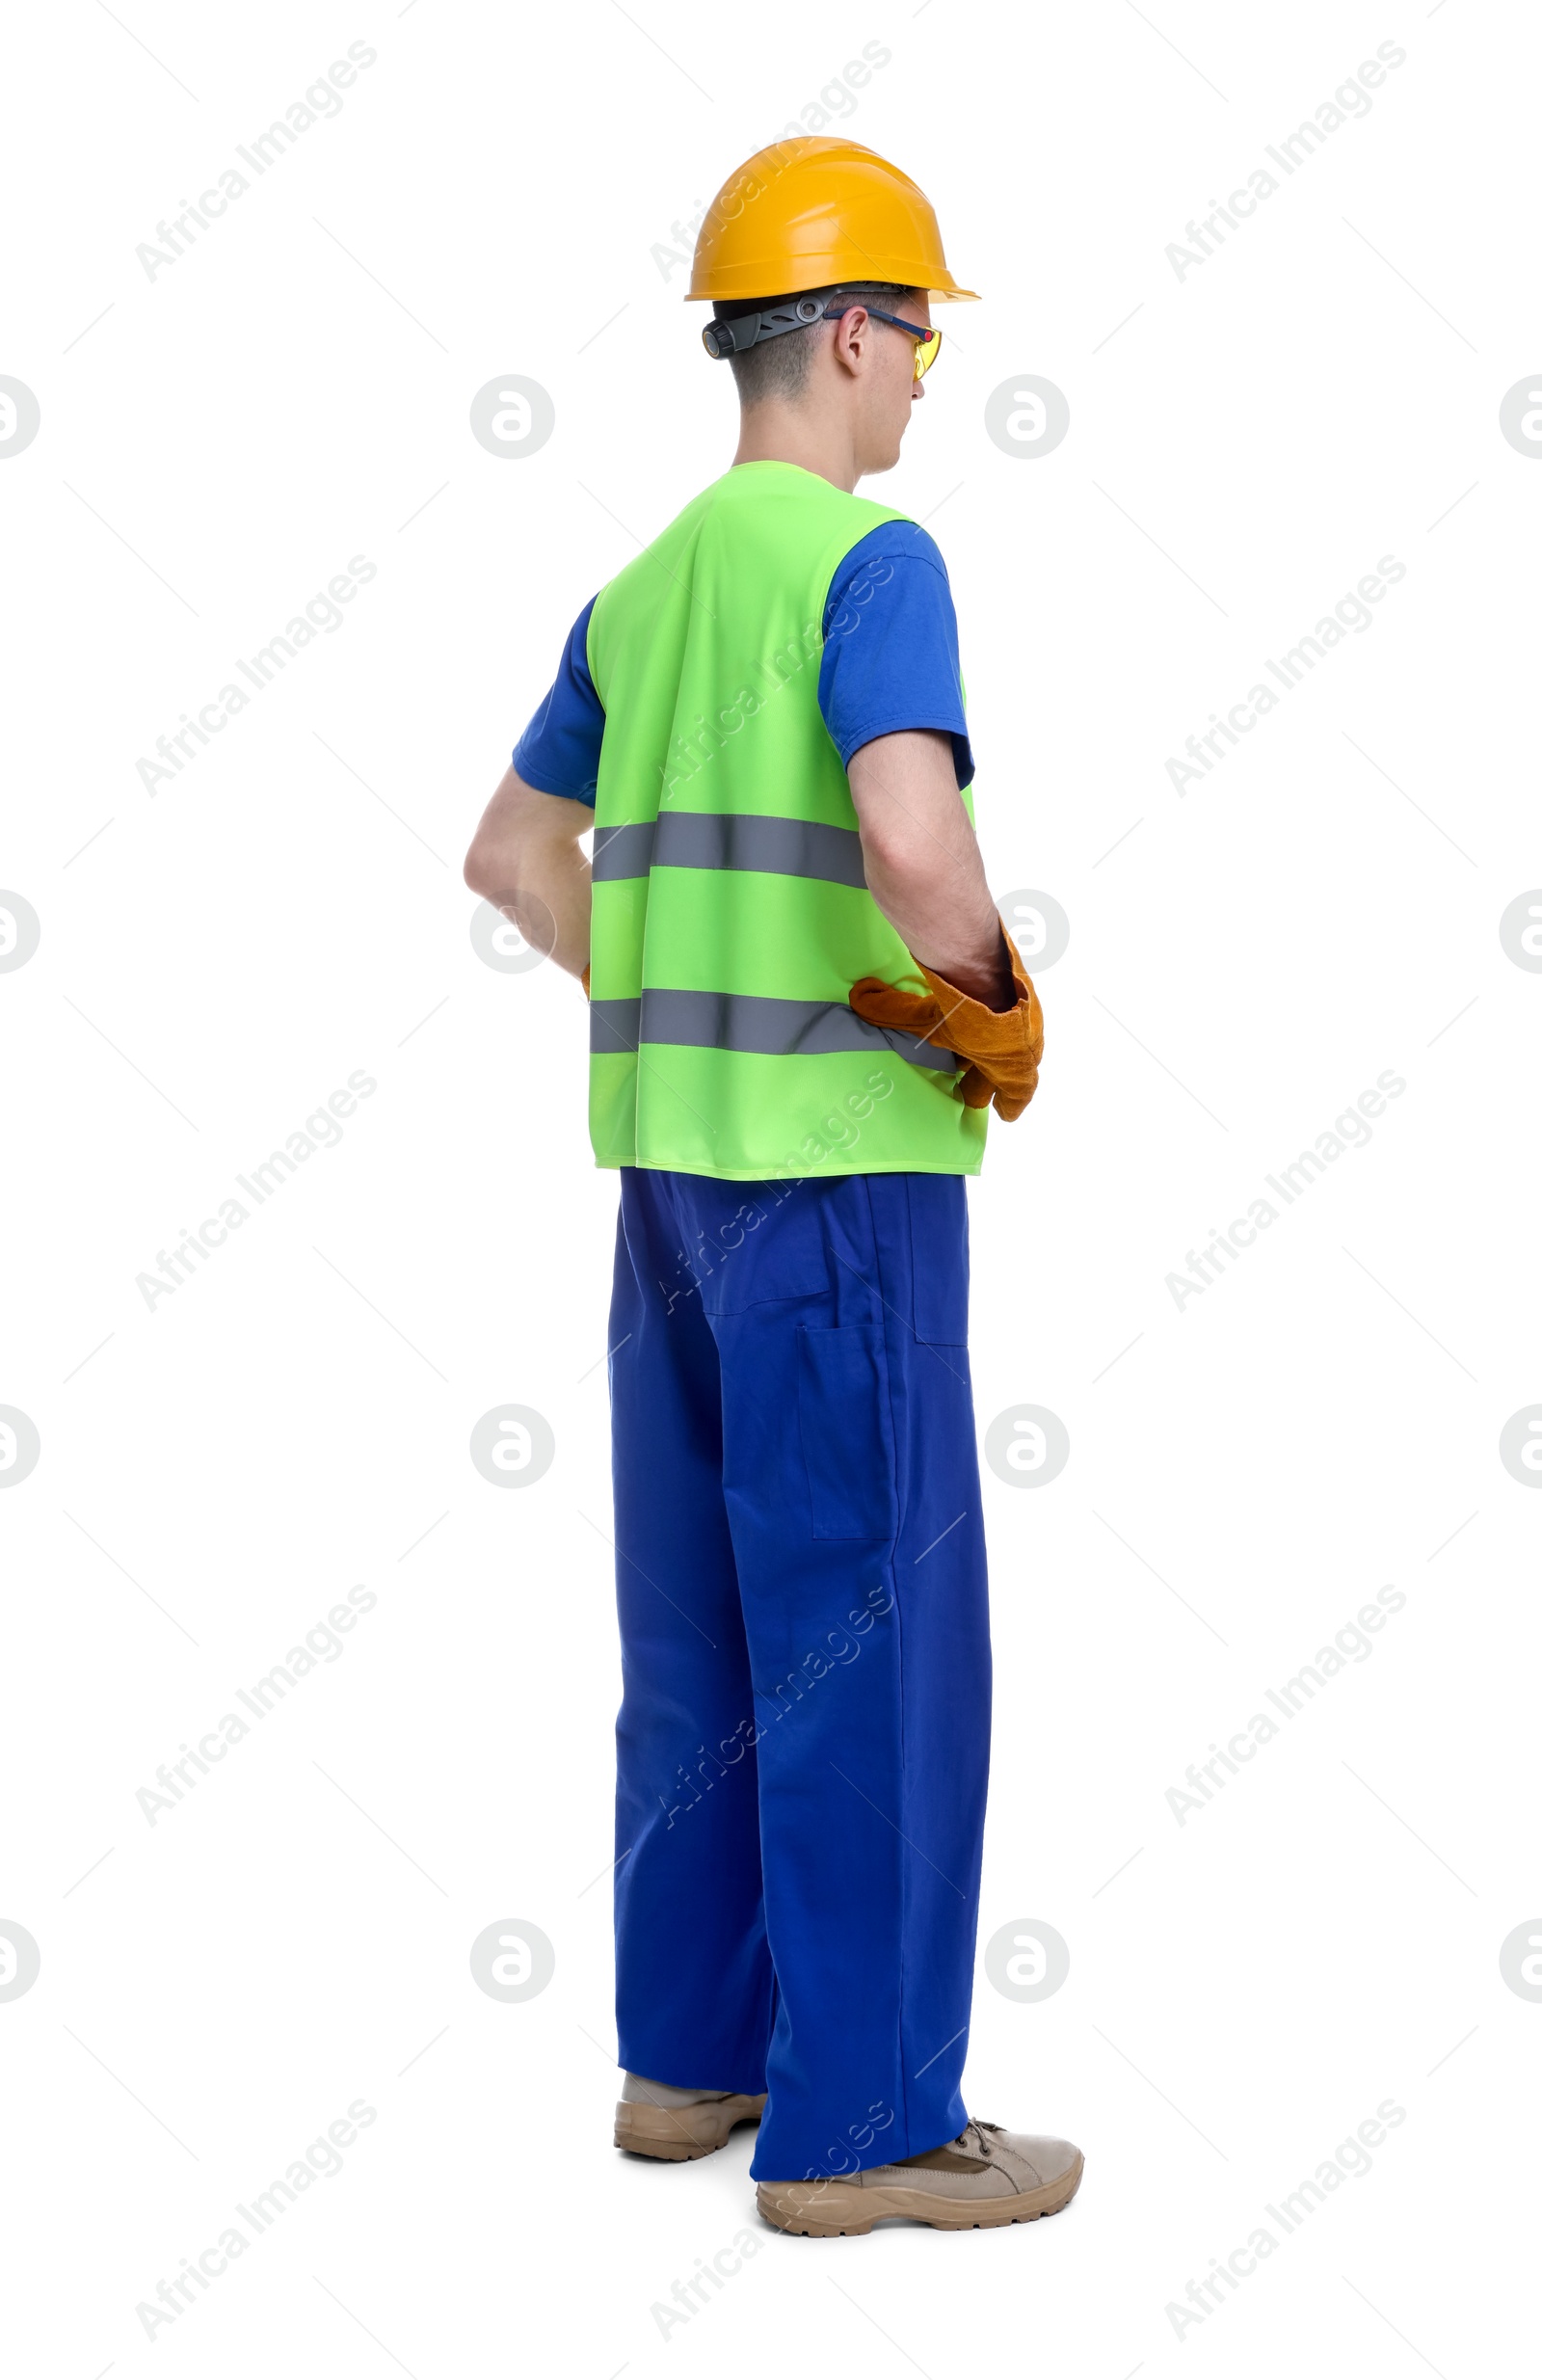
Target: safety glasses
(927,342)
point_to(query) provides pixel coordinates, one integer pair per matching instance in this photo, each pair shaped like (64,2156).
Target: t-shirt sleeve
(559,751)
(890,652)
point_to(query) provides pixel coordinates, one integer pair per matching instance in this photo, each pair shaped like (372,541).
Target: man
(802,1001)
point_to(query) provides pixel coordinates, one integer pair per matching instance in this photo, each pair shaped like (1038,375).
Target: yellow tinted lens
(926,352)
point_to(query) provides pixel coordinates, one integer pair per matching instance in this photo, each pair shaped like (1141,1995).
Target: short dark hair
(779,367)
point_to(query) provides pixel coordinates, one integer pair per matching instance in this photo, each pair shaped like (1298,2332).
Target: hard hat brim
(770,286)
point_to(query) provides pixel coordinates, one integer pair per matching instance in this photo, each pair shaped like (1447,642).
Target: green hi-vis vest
(732,915)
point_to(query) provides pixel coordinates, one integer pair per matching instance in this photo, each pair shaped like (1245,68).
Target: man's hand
(525,860)
(1001,1050)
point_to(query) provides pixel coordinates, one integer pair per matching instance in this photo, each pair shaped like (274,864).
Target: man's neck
(776,433)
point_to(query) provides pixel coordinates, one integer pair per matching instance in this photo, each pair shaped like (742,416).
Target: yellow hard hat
(811,212)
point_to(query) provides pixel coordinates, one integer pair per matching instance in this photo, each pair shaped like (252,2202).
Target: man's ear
(844,335)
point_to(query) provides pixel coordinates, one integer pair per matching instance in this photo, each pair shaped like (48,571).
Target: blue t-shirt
(889,663)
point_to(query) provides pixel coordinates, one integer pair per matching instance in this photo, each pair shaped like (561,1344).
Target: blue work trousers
(804,1734)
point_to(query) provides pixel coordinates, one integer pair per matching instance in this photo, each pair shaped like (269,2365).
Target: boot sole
(680,2133)
(842,2210)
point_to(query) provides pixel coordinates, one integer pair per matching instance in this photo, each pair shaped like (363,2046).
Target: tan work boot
(659,2119)
(984,2177)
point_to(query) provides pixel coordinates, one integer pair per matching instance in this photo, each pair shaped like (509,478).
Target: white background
(1247,1471)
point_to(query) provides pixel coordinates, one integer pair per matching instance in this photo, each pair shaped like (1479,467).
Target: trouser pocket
(940,1257)
(843,1425)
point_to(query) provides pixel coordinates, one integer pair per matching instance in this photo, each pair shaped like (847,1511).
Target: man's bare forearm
(525,859)
(923,865)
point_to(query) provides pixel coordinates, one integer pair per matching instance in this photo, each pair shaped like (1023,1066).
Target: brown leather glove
(1002,1048)
(584,980)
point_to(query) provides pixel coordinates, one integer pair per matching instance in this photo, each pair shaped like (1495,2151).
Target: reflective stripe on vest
(713,839)
(763,1028)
